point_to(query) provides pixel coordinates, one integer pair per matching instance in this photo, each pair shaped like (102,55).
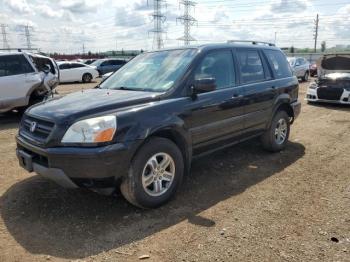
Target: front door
(216,116)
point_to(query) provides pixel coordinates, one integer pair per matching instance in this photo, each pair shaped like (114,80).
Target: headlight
(93,130)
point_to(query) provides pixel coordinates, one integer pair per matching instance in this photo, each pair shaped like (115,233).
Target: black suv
(140,128)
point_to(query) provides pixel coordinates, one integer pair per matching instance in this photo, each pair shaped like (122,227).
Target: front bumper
(311,95)
(71,167)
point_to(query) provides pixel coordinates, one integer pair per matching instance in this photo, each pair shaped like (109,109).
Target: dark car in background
(107,65)
(313,69)
(140,129)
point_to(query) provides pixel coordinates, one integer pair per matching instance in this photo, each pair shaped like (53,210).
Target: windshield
(156,71)
(96,63)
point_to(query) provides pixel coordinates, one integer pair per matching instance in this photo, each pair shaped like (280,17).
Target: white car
(333,80)
(105,76)
(76,72)
(25,79)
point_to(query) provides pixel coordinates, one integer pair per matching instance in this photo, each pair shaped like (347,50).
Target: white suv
(25,79)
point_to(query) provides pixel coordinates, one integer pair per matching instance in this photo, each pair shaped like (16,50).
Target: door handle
(237,96)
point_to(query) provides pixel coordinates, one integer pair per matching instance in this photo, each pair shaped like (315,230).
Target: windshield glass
(156,71)
(96,63)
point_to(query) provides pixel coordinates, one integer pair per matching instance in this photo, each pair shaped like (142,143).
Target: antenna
(158,19)
(187,20)
(5,42)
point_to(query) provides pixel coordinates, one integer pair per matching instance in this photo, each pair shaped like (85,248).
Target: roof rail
(250,41)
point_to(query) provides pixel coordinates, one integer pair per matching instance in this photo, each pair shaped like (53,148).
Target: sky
(70,26)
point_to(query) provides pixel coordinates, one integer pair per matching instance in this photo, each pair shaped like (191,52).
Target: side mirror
(297,64)
(203,85)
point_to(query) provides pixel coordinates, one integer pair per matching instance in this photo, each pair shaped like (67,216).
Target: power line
(158,19)
(187,20)
(27,29)
(4,36)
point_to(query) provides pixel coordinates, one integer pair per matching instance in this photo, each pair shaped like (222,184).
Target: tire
(136,187)
(87,77)
(306,76)
(273,142)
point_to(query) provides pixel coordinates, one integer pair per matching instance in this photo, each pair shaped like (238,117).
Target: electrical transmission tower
(5,42)
(158,19)
(28,36)
(316,32)
(187,20)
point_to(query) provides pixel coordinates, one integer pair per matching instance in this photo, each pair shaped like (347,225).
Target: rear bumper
(71,167)
(311,95)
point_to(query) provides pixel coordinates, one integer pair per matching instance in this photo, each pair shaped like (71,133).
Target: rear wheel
(276,137)
(154,175)
(87,78)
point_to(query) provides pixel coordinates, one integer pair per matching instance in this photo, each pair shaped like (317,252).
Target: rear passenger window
(278,63)
(77,65)
(250,66)
(64,66)
(14,65)
(217,65)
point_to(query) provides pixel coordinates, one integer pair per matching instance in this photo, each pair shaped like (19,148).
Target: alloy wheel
(158,174)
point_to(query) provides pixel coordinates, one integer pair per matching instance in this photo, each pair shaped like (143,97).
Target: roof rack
(250,41)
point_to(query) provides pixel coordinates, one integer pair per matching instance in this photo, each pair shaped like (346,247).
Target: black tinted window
(76,65)
(14,65)
(250,66)
(218,65)
(106,63)
(278,63)
(64,66)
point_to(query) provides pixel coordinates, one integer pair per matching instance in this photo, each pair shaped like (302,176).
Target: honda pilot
(140,129)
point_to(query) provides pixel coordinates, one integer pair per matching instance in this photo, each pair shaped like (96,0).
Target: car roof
(207,47)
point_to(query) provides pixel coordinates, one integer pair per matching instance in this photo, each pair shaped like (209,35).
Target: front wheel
(276,137)
(306,76)
(154,175)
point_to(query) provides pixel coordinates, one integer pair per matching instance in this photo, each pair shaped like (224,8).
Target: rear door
(259,91)
(216,116)
(17,77)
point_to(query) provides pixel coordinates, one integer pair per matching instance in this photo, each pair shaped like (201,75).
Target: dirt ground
(241,204)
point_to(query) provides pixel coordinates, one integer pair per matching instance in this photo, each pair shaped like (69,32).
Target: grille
(329,93)
(41,132)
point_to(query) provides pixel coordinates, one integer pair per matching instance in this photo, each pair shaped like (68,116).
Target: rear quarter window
(278,63)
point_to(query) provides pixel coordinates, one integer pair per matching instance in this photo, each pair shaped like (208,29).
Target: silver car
(300,67)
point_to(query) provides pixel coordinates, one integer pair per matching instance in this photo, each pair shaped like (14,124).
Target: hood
(89,102)
(336,63)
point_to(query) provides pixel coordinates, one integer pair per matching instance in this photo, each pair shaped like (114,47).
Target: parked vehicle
(76,72)
(104,66)
(105,76)
(25,79)
(141,127)
(89,61)
(313,69)
(300,67)
(333,80)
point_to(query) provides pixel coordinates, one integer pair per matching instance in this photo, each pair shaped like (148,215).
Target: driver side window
(217,65)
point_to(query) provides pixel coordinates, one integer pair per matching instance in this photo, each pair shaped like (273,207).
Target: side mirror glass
(204,85)
(46,69)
